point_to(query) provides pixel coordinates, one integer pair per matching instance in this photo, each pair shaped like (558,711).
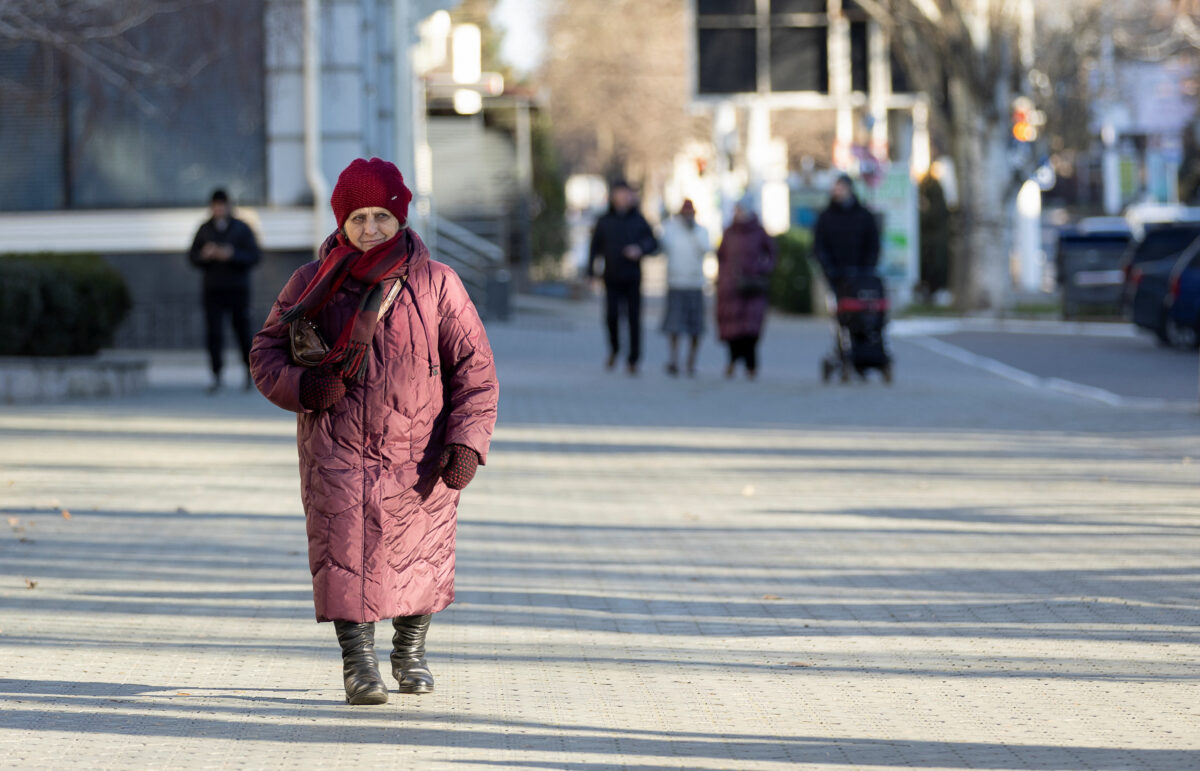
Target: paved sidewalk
(954,572)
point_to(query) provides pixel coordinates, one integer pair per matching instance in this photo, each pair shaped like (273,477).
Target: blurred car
(1182,324)
(1166,297)
(1148,283)
(1159,241)
(1087,263)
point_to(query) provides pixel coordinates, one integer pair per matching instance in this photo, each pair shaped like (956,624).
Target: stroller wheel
(826,370)
(886,369)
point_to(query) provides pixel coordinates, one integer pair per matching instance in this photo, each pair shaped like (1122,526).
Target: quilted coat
(381,523)
(746,251)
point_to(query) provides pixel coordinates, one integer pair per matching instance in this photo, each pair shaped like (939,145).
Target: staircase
(479,263)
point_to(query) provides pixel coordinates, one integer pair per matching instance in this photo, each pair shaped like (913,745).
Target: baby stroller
(858,344)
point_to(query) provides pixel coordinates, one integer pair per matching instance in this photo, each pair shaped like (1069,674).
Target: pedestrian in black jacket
(846,239)
(225,250)
(622,237)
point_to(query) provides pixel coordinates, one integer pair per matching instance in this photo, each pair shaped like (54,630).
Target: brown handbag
(309,349)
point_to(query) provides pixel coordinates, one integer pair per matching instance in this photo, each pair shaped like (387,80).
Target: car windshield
(1164,242)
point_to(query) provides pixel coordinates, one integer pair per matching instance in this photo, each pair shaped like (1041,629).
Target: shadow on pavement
(107,704)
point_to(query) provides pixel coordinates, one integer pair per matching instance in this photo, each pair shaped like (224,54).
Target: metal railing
(479,263)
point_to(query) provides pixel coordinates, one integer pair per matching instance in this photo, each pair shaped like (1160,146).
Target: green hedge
(59,304)
(792,281)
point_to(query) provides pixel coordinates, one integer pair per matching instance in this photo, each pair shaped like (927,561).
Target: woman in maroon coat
(745,260)
(390,426)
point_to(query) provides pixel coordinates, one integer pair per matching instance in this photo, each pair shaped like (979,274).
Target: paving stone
(953,572)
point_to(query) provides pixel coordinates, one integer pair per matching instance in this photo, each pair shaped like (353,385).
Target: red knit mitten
(457,465)
(321,388)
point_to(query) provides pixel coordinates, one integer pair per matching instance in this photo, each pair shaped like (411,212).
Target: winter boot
(408,654)
(364,685)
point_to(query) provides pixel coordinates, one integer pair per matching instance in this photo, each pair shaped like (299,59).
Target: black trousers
(218,305)
(745,348)
(624,297)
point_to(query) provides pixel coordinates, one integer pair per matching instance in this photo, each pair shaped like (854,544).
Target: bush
(59,304)
(934,237)
(792,281)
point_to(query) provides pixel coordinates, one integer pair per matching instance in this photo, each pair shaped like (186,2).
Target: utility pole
(841,83)
(524,139)
(1111,166)
(312,122)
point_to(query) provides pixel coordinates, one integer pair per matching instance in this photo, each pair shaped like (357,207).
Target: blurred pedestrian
(225,249)
(393,422)
(745,260)
(622,237)
(846,237)
(685,244)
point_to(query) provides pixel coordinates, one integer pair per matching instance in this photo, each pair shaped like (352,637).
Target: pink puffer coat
(746,251)
(381,524)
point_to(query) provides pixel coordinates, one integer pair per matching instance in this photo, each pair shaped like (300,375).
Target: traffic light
(1025,120)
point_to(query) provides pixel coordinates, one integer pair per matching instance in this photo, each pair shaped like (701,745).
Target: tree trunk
(982,278)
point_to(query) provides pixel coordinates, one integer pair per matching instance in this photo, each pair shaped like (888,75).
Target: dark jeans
(745,348)
(623,296)
(217,305)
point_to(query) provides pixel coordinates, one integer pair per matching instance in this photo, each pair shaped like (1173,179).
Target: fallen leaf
(799,664)
(182,693)
(26,540)
(66,514)
(30,584)
(771,597)
(14,521)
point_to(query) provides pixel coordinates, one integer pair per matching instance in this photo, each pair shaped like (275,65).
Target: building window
(167,139)
(800,59)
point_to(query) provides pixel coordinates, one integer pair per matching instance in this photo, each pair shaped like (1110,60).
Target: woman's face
(370,227)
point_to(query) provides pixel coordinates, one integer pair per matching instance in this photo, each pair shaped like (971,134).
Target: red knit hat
(370,183)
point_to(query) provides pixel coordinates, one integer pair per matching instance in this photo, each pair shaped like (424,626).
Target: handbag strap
(391,296)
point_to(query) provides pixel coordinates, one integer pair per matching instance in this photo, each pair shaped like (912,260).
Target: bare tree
(1155,29)
(95,34)
(616,73)
(967,56)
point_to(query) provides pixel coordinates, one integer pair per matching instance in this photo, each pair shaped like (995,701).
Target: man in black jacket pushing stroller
(846,239)
(846,244)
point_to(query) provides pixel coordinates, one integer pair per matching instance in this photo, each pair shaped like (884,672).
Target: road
(957,571)
(1131,367)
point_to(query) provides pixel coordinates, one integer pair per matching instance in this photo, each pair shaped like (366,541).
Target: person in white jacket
(685,244)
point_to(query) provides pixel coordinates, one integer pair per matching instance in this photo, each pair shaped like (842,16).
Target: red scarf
(349,353)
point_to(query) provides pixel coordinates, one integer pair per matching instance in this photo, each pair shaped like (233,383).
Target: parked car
(1148,282)
(1166,297)
(1088,264)
(1182,324)
(1159,241)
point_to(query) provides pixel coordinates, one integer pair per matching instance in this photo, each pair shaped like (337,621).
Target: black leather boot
(364,685)
(408,654)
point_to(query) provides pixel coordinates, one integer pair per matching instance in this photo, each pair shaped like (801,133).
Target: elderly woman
(392,422)
(745,261)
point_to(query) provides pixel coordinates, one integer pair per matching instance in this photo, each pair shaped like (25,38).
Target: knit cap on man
(364,184)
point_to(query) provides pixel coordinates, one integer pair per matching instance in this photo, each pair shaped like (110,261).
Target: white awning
(128,231)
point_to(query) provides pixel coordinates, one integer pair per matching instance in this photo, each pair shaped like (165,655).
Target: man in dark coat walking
(846,239)
(225,250)
(622,237)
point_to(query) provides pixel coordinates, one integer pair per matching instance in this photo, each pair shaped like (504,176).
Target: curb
(26,380)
